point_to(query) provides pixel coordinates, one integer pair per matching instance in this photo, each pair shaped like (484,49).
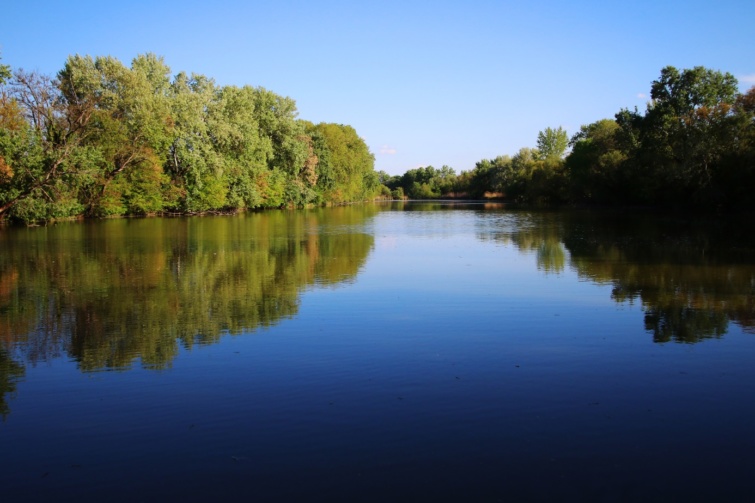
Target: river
(391,352)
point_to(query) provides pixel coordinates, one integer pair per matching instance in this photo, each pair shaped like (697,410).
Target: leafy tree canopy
(552,143)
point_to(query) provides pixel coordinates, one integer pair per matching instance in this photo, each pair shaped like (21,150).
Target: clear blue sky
(423,82)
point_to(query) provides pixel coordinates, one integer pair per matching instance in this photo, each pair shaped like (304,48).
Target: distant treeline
(693,146)
(106,139)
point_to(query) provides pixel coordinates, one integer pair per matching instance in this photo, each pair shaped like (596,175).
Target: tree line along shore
(693,147)
(105,139)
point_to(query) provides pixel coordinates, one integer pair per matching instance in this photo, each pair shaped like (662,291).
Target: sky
(422,82)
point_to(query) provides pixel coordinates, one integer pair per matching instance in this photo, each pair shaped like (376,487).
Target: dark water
(420,352)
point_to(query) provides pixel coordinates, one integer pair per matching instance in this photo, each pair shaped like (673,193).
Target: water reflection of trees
(692,278)
(109,293)
(529,232)
(10,372)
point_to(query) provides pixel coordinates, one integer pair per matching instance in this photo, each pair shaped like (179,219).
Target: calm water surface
(405,352)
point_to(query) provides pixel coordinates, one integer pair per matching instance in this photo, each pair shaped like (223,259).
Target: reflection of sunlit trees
(8,288)
(108,293)
(551,256)
(26,318)
(532,232)
(10,373)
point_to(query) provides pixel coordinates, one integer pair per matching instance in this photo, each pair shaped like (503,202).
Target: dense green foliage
(421,183)
(106,139)
(693,146)
(552,143)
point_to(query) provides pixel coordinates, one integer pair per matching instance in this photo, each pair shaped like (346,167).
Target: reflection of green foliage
(690,278)
(538,232)
(110,292)
(684,324)
(551,256)
(10,372)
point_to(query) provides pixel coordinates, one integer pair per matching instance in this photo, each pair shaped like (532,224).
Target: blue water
(456,354)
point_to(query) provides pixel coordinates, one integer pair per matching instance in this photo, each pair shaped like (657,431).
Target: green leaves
(107,139)
(552,143)
(345,163)
(5,73)
(682,92)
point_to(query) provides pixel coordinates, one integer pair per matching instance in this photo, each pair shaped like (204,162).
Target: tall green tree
(192,163)
(595,163)
(351,165)
(552,143)
(734,180)
(235,136)
(128,130)
(686,130)
(40,148)
(289,179)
